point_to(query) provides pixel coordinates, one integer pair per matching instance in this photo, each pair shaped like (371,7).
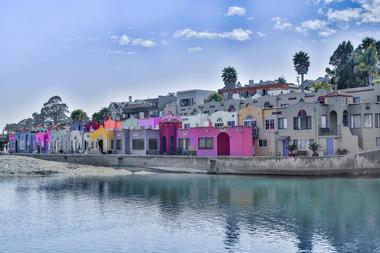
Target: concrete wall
(366,163)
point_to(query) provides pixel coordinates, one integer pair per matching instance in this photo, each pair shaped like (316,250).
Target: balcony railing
(327,131)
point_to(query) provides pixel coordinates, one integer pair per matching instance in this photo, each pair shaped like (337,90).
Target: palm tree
(229,76)
(314,148)
(301,62)
(368,41)
(214,97)
(367,62)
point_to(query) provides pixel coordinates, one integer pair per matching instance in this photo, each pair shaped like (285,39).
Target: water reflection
(242,213)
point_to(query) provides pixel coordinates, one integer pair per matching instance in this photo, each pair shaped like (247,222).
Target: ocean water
(189,213)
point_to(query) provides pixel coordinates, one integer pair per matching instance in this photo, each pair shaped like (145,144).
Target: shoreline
(361,164)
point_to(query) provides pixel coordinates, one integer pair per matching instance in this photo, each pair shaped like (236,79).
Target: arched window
(219,122)
(231,108)
(302,113)
(267,105)
(321,99)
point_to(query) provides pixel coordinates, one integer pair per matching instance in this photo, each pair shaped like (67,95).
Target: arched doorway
(333,122)
(100,145)
(223,144)
(163,145)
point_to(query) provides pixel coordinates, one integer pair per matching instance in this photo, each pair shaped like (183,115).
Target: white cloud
(235,11)
(281,24)
(371,10)
(143,43)
(327,32)
(250,18)
(260,34)
(315,25)
(118,52)
(125,40)
(236,34)
(194,49)
(345,15)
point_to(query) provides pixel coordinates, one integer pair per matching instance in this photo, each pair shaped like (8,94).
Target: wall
(366,163)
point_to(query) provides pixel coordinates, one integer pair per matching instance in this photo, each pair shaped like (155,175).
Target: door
(223,144)
(163,145)
(285,147)
(330,147)
(100,144)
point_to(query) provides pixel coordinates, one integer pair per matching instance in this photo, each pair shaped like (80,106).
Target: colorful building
(121,142)
(145,141)
(101,140)
(41,141)
(112,124)
(168,135)
(148,123)
(59,139)
(211,141)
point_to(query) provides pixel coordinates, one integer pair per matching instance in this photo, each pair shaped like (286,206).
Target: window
(263,143)
(378,99)
(356,100)
(112,144)
(219,122)
(250,122)
(377,120)
(303,144)
(282,123)
(118,144)
(153,144)
(324,121)
(205,143)
(302,123)
(186,102)
(138,144)
(231,123)
(184,143)
(378,141)
(356,121)
(367,120)
(22,144)
(267,105)
(269,124)
(186,126)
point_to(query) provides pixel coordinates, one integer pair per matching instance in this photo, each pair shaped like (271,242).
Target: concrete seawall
(366,163)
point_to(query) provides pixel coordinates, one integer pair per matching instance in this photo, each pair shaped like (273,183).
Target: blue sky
(91,52)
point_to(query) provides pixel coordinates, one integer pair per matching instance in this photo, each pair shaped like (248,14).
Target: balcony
(327,131)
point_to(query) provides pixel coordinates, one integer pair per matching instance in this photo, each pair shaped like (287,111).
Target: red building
(168,135)
(250,90)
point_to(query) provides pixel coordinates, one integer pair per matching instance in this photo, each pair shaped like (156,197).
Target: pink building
(148,123)
(168,135)
(41,141)
(112,124)
(211,141)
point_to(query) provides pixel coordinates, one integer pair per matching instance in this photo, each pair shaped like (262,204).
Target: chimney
(130,99)
(251,82)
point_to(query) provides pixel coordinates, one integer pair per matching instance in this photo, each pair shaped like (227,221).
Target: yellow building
(102,140)
(263,120)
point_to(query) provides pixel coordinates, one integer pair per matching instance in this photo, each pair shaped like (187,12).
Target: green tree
(292,148)
(367,42)
(343,74)
(38,118)
(55,109)
(367,63)
(323,85)
(301,62)
(281,79)
(79,116)
(229,76)
(214,97)
(101,115)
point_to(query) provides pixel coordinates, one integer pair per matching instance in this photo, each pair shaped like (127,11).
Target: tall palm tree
(229,76)
(367,41)
(301,62)
(367,62)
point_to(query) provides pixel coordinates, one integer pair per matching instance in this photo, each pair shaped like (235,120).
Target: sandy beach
(27,166)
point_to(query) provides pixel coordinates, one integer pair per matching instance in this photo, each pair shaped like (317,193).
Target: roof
(338,94)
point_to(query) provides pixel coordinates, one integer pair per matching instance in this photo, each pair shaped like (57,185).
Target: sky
(92,52)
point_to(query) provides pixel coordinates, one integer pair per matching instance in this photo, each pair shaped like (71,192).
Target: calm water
(189,213)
